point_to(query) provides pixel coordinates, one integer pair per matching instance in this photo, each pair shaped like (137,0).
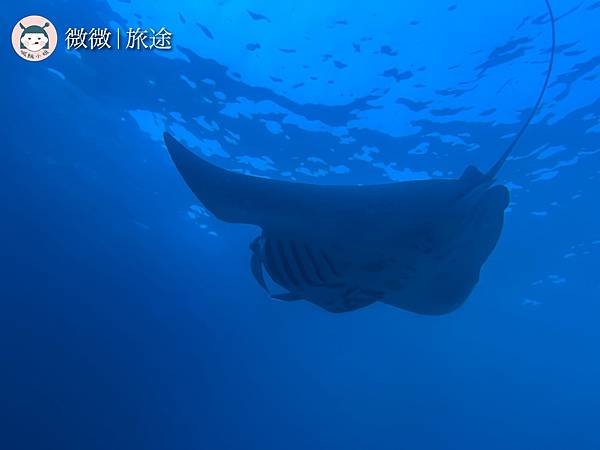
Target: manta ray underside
(416,245)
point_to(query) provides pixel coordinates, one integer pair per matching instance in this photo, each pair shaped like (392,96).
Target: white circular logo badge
(34,38)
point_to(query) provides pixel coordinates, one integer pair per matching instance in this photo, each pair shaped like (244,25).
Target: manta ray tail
(494,170)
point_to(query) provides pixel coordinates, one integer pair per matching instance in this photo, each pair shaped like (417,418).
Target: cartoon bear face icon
(34,38)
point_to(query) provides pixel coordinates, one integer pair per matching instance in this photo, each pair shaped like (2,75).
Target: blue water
(129,317)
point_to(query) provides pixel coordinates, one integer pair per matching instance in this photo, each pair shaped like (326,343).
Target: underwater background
(129,317)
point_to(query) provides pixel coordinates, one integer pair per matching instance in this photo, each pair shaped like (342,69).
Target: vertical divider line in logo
(118,39)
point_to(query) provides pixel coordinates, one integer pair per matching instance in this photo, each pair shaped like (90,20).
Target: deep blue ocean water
(129,317)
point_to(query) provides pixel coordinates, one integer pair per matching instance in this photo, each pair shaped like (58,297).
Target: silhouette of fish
(417,245)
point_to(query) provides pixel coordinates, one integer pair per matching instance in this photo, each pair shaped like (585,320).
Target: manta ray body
(417,245)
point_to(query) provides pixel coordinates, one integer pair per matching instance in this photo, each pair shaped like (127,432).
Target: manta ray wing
(325,210)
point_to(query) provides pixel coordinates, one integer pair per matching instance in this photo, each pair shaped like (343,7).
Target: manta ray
(416,245)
